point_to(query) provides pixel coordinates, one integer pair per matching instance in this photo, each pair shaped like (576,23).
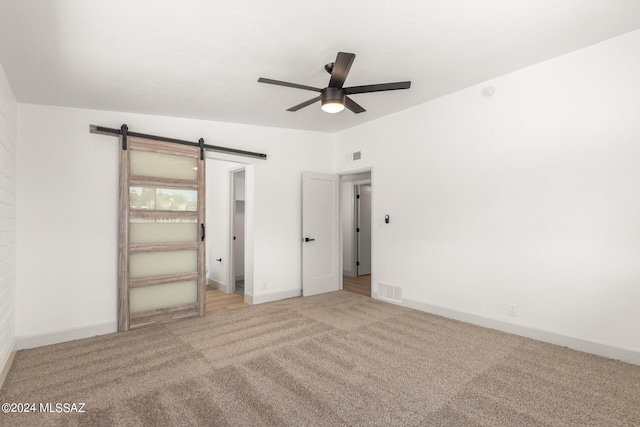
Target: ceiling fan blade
(304,104)
(353,105)
(287,84)
(341,68)
(376,88)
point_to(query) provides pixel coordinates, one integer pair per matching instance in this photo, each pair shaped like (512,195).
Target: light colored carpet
(331,360)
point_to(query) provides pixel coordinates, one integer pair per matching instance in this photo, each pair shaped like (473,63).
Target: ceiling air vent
(357,155)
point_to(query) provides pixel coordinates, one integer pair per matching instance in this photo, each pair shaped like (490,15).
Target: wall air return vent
(390,292)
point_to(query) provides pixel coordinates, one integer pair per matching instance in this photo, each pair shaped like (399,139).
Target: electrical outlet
(265,286)
(512,309)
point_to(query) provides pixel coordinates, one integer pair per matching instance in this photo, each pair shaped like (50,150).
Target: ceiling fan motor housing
(332,95)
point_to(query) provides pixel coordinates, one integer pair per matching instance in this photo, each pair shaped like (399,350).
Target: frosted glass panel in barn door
(162,231)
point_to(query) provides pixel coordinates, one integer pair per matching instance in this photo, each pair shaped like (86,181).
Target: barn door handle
(308,239)
(203,233)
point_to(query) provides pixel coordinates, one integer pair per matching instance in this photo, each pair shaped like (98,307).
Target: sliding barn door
(162,232)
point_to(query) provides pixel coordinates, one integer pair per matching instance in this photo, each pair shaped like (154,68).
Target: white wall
(528,197)
(8,144)
(67,186)
(239,186)
(238,249)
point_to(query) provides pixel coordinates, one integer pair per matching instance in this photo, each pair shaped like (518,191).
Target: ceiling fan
(334,98)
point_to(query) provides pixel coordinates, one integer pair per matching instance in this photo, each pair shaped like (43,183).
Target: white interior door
(238,240)
(363,264)
(320,233)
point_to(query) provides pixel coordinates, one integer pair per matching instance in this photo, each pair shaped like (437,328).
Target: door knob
(308,239)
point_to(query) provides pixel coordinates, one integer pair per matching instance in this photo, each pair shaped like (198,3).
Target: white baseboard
(348,273)
(219,286)
(600,349)
(5,364)
(276,296)
(39,340)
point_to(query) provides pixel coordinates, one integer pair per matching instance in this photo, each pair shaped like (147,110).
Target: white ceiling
(202,58)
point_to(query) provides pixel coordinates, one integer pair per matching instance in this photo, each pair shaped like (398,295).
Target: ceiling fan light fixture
(332,99)
(332,106)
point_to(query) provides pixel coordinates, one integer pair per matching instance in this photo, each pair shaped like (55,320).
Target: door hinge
(357,196)
(358,230)
(357,262)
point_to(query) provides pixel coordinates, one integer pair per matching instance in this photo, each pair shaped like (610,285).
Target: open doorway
(229,207)
(355,206)
(237,236)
